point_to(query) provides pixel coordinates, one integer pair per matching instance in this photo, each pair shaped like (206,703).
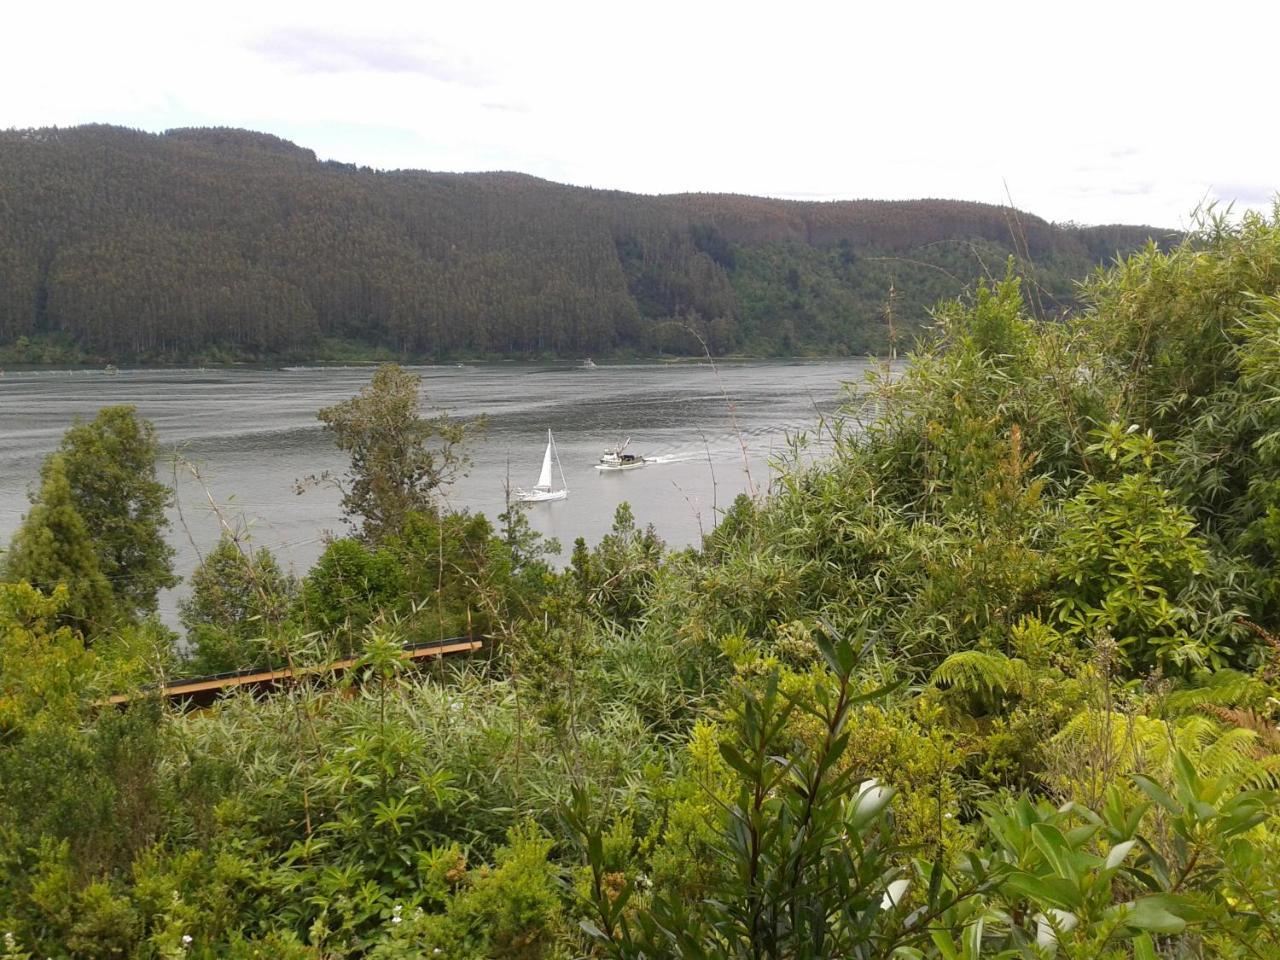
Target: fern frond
(1232,756)
(1263,774)
(1221,688)
(1268,733)
(1196,733)
(1130,740)
(1244,756)
(983,672)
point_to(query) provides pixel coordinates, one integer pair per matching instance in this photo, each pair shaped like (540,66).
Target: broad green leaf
(1153,915)
(942,940)
(1053,845)
(1053,891)
(1157,793)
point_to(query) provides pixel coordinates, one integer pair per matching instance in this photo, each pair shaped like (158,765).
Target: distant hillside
(224,243)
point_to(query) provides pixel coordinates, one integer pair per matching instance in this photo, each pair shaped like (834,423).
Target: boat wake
(675,458)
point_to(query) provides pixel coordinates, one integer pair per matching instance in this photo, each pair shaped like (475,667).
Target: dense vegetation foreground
(998,678)
(215,244)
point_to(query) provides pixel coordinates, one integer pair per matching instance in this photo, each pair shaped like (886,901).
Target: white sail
(544,478)
(543,491)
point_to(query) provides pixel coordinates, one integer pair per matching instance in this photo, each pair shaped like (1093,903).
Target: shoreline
(109,369)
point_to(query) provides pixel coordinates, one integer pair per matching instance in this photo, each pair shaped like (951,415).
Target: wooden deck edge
(197,685)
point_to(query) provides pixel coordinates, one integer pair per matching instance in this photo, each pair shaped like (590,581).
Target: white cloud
(1088,111)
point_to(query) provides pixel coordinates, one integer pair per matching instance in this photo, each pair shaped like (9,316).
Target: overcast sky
(1094,112)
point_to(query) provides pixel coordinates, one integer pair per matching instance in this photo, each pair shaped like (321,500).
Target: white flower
(893,896)
(1118,853)
(1046,935)
(186,940)
(395,913)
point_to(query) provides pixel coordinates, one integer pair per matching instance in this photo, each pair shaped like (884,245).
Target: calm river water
(253,433)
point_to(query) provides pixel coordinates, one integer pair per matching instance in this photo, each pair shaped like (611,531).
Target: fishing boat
(615,458)
(543,491)
(588,364)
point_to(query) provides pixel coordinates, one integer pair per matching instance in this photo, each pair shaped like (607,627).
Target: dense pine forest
(209,244)
(999,677)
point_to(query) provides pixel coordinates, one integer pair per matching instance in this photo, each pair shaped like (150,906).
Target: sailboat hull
(540,496)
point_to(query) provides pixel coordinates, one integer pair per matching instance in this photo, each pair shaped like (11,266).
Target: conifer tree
(110,465)
(236,598)
(235,590)
(53,547)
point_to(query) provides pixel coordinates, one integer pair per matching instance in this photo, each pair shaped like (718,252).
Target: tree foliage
(399,459)
(110,463)
(237,597)
(54,549)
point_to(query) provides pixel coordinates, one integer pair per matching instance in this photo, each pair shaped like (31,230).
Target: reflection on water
(253,433)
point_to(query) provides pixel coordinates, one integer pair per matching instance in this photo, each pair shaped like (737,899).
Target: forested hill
(125,245)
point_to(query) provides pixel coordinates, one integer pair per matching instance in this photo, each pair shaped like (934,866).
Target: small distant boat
(588,364)
(110,370)
(615,458)
(543,491)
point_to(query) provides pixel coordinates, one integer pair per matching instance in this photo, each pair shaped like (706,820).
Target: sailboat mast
(556,450)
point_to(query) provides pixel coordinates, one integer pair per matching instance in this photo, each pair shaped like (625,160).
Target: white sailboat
(542,490)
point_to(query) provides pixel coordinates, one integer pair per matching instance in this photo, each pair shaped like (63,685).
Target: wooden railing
(202,691)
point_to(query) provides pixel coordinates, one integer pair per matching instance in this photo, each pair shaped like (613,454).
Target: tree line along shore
(219,245)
